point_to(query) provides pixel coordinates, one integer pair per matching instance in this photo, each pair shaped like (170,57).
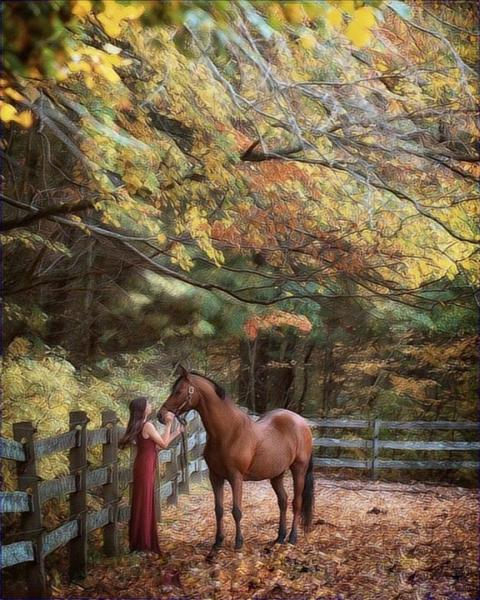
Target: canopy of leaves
(201,168)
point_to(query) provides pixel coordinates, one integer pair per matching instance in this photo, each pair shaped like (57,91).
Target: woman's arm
(161,440)
(165,440)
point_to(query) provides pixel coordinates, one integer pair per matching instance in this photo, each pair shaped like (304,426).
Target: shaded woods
(280,195)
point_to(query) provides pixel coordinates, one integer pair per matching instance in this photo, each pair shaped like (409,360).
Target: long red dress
(142,527)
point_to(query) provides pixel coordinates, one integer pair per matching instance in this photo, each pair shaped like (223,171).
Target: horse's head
(183,397)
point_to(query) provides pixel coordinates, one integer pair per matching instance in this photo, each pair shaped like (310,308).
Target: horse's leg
(298,474)
(217,486)
(236,481)
(277,484)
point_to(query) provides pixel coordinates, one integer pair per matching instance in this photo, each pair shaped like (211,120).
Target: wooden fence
(182,461)
(372,443)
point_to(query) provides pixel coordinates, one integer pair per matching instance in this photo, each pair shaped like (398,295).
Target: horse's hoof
(239,545)
(279,541)
(292,539)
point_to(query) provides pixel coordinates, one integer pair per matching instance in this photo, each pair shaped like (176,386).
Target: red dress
(142,527)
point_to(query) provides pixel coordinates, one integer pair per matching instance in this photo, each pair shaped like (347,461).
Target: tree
(262,152)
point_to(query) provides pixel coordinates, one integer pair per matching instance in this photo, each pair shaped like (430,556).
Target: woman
(142,527)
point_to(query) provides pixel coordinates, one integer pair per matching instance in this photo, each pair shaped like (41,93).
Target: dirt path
(371,541)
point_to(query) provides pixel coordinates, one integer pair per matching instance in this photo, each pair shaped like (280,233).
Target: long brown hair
(135,422)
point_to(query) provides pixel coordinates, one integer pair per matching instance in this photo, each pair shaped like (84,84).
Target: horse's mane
(219,390)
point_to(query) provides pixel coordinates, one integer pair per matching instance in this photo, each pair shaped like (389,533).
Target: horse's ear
(182,371)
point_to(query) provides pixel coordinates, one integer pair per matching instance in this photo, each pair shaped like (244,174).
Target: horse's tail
(308,497)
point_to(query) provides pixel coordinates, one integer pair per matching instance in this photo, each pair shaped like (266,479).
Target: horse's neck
(220,417)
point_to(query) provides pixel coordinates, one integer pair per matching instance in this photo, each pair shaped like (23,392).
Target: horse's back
(285,437)
(284,420)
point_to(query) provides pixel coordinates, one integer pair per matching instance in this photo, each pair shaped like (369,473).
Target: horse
(240,449)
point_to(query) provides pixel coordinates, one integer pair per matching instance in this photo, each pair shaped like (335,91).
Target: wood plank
(341,443)
(97,519)
(97,477)
(14,554)
(110,490)
(56,443)
(96,436)
(31,525)
(11,449)
(457,425)
(427,464)
(59,536)
(124,513)
(166,490)
(56,488)
(375,448)
(78,464)
(166,456)
(340,423)
(421,445)
(342,462)
(197,466)
(14,502)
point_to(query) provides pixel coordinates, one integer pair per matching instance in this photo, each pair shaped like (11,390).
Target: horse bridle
(182,420)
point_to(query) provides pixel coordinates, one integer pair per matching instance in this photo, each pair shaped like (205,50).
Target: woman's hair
(135,422)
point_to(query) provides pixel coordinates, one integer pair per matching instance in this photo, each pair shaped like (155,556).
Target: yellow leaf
(308,41)
(358,35)
(334,17)
(347,6)
(314,10)
(7,112)
(365,16)
(14,94)
(107,72)
(381,66)
(294,12)
(25,119)
(89,82)
(76,67)
(81,8)
(112,28)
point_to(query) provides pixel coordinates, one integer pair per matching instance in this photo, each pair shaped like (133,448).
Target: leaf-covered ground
(371,540)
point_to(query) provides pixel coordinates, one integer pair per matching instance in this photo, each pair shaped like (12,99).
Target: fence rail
(373,444)
(181,462)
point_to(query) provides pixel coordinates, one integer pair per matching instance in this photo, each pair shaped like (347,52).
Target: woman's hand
(168,418)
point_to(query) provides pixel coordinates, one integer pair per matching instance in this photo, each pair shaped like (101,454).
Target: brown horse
(239,449)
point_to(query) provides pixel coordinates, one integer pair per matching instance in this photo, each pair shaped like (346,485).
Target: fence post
(31,522)
(78,500)
(172,475)
(110,490)
(184,486)
(376,431)
(197,451)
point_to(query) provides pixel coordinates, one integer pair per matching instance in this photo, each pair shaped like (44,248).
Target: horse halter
(191,391)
